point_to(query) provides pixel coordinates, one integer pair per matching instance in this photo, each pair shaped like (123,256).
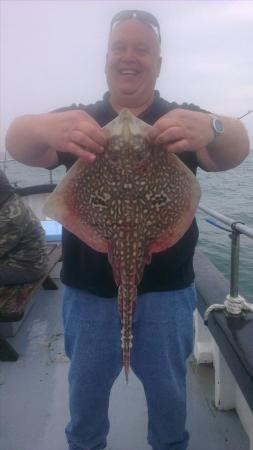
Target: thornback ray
(135,199)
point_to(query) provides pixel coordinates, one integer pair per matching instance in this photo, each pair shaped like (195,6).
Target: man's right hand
(74,132)
(36,139)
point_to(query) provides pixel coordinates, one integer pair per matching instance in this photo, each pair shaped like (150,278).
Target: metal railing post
(234,304)
(234,264)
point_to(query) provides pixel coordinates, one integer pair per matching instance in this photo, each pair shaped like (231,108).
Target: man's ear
(159,65)
(106,62)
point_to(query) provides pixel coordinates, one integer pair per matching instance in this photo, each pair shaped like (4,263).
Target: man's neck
(135,109)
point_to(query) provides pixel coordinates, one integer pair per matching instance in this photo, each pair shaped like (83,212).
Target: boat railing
(234,303)
(226,342)
(4,161)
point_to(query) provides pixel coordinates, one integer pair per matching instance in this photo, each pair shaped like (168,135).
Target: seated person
(23,256)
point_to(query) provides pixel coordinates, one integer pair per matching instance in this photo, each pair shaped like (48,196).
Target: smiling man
(162,329)
(133,64)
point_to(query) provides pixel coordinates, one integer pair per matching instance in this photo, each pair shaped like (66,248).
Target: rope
(233,305)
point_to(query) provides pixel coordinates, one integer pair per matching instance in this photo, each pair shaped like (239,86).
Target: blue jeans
(162,341)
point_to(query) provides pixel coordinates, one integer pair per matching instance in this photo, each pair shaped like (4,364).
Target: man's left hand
(182,130)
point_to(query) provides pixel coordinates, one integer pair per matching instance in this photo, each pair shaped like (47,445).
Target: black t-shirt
(6,190)
(84,268)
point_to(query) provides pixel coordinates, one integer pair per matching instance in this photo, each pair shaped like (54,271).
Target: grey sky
(53,53)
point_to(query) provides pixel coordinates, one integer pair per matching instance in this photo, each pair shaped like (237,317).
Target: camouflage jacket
(22,244)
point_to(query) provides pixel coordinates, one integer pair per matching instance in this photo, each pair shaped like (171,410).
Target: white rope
(214,307)
(232,305)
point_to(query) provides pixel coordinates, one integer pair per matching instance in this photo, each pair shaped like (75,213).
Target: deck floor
(34,404)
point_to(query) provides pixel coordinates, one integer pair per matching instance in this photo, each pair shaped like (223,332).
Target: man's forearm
(226,151)
(25,141)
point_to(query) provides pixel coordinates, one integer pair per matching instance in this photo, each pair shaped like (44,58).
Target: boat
(33,389)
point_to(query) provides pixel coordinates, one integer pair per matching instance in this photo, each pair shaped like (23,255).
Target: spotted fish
(135,199)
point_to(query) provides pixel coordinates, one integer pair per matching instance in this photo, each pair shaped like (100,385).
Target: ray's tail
(127,259)
(127,298)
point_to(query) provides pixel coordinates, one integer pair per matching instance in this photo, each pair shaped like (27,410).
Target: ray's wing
(175,212)
(62,206)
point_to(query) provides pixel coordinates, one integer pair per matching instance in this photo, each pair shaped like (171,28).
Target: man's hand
(74,132)
(182,130)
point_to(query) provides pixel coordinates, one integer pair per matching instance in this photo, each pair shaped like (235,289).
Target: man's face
(133,62)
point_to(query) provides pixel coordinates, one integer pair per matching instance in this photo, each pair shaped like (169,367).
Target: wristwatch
(217,126)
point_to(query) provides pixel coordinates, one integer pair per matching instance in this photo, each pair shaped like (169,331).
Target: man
(23,256)
(162,328)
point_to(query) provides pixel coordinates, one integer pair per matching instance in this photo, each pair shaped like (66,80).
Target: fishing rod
(249,112)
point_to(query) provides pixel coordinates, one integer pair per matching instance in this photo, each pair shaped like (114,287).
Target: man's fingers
(80,152)
(158,128)
(152,134)
(82,140)
(161,126)
(94,132)
(166,136)
(178,147)
(170,135)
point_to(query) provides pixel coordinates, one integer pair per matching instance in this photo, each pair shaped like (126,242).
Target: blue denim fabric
(162,341)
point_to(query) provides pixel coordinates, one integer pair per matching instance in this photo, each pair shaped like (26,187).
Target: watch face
(218,126)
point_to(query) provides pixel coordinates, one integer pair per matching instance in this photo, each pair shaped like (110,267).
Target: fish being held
(135,199)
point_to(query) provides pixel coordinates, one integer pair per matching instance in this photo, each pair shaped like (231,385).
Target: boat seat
(15,299)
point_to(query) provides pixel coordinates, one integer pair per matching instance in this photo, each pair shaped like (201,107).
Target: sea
(230,193)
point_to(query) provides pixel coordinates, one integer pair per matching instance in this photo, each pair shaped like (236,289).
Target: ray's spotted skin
(134,200)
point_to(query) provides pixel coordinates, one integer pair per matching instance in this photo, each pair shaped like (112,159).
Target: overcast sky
(53,53)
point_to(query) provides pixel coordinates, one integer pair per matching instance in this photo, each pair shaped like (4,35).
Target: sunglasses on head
(143,16)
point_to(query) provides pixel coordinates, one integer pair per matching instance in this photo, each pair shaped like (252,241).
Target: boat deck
(34,404)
